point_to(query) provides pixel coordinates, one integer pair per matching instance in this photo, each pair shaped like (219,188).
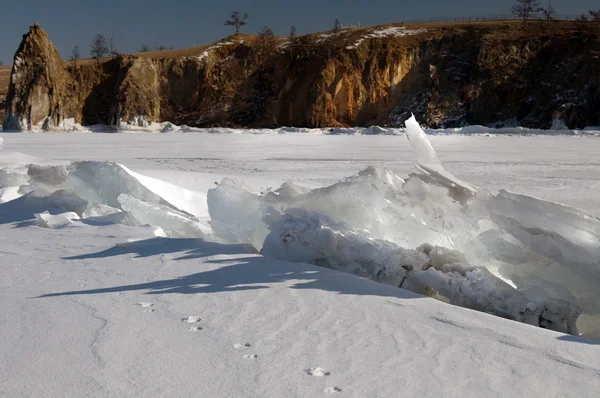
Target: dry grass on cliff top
(349,36)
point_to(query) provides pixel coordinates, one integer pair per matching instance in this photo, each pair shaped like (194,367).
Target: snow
(203,55)
(46,220)
(216,47)
(324,36)
(394,31)
(102,291)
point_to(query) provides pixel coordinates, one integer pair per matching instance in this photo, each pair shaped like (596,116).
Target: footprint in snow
(240,346)
(332,390)
(250,356)
(191,319)
(195,328)
(147,306)
(317,372)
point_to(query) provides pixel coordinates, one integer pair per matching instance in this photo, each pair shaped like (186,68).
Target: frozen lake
(105,305)
(561,169)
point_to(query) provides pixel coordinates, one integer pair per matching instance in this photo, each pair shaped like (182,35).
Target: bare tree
(583,25)
(237,20)
(75,56)
(98,48)
(144,49)
(293,41)
(337,25)
(1,63)
(265,45)
(595,15)
(525,8)
(112,47)
(549,14)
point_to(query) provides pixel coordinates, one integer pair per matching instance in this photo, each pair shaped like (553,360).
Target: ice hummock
(431,233)
(101,192)
(506,254)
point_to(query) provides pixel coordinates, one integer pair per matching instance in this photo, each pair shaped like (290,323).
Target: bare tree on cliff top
(549,14)
(75,56)
(265,45)
(292,32)
(585,24)
(98,48)
(144,49)
(524,9)
(237,20)
(112,47)
(595,15)
(337,25)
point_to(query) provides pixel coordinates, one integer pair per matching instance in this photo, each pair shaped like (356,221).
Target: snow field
(263,326)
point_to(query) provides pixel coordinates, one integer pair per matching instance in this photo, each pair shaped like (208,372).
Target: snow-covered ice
(94,226)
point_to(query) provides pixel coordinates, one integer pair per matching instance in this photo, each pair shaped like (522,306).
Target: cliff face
(448,75)
(508,77)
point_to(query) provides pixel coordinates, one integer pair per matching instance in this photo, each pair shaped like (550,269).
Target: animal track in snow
(191,319)
(195,328)
(239,346)
(147,306)
(250,356)
(332,390)
(317,372)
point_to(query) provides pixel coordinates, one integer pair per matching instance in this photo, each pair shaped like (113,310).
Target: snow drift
(514,256)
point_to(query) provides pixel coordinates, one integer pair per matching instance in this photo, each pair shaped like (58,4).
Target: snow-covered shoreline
(167,127)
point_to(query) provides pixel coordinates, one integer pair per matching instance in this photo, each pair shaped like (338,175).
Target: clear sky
(185,23)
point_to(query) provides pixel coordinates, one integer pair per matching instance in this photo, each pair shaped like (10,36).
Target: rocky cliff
(448,75)
(37,89)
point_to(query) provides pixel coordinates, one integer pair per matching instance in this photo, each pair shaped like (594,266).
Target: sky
(186,23)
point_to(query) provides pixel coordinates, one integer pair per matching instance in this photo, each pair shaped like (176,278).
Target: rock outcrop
(447,75)
(38,85)
(138,98)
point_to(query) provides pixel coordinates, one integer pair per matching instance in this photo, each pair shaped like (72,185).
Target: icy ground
(102,307)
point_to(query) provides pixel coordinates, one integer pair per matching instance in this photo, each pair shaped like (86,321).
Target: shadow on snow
(249,271)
